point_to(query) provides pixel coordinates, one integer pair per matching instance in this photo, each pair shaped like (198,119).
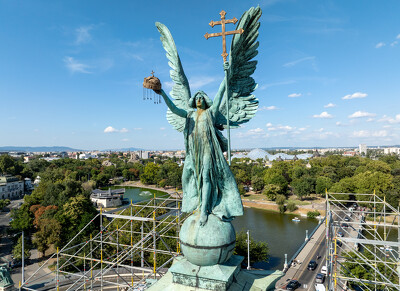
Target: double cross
(223,33)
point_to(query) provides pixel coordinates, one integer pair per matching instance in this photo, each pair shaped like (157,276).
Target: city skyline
(72,72)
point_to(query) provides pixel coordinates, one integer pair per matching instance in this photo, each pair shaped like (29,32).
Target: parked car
(338,243)
(347,219)
(344,225)
(293,285)
(324,270)
(312,265)
(320,278)
(340,234)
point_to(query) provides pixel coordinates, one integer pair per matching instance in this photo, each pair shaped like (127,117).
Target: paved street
(299,271)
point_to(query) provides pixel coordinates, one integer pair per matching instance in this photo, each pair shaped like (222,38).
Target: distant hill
(38,149)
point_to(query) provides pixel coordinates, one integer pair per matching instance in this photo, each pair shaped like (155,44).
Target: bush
(282,208)
(280,199)
(291,206)
(313,214)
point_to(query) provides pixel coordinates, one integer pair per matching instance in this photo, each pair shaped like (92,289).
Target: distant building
(107,198)
(349,153)
(144,155)
(393,150)
(86,156)
(11,187)
(362,148)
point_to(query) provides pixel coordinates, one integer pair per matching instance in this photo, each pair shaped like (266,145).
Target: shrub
(281,208)
(313,214)
(291,206)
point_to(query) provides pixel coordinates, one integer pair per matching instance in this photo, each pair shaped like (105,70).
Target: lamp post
(248,250)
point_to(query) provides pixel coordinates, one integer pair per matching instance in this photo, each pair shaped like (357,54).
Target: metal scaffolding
(131,246)
(363,242)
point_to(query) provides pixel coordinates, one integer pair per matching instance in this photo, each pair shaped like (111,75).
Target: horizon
(72,72)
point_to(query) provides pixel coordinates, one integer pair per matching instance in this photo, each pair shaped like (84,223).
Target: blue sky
(71,72)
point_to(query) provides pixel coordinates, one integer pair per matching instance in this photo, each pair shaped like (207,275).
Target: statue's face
(200,102)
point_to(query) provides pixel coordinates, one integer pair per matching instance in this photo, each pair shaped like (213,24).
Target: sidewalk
(302,258)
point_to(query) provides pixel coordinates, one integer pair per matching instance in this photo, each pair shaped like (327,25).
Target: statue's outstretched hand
(158,92)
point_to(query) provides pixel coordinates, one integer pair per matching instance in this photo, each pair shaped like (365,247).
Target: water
(278,230)
(139,194)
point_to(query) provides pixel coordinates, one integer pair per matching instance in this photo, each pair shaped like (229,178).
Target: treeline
(334,173)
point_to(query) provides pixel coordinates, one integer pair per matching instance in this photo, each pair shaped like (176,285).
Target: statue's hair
(207,100)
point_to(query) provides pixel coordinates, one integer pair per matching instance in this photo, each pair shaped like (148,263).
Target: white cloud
(83,34)
(389,119)
(380,44)
(269,124)
(323,115)
(280,127)
(370,119)
(355,95)
(294,95)
(394,43)
(359,114)
(199,82)
(398,36)
(263,87)
(163,128)
(125,139)
(293,63)
(253,133)
(268,108)
(74,66)
(330,105)
(367,133)
(110,129)
(137,128)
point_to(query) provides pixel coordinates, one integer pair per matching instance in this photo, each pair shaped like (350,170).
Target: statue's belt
(208,247)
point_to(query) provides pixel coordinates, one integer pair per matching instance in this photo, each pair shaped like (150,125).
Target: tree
(291,206)
(271,191)
(303,187)
(259,251)
(257,183)
(22,218)
(17,249)
(48,234)
(150,173)
(322,184)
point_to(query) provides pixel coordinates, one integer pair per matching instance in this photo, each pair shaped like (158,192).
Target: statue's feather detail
(242,104)
(180,91)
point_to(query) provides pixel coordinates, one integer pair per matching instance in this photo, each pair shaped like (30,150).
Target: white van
(324,270)
(320,287)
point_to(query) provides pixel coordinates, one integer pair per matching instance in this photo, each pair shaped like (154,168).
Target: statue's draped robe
(205,163)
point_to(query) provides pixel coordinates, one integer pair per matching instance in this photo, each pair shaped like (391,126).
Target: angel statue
(208,183)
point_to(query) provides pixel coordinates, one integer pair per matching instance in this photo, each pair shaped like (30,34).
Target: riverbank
(251,203)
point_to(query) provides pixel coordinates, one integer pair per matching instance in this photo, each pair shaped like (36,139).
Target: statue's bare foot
(203,219)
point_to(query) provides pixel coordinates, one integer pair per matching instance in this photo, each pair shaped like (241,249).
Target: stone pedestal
(216,277)
(184,276)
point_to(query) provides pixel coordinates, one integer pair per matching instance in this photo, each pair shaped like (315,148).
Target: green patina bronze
(209,187)
(6,283)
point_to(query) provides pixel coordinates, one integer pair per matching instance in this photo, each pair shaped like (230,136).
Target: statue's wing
(242,103)
(180,91)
